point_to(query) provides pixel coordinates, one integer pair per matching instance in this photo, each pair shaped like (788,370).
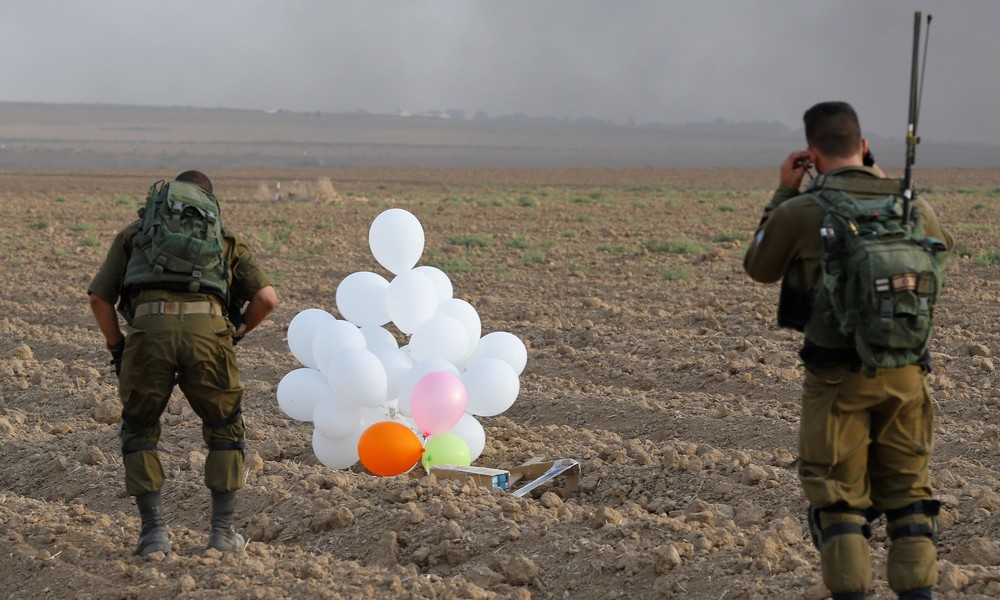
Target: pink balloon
(437,402)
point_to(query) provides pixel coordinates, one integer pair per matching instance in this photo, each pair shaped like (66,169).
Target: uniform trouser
(865,443)
(195,352)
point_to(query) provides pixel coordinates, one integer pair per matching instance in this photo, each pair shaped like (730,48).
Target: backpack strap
(857,185)
(834,201)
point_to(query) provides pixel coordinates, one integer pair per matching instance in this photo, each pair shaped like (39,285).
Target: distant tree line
(718,126)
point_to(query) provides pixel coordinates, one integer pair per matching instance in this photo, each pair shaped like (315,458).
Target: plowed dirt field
(652,359)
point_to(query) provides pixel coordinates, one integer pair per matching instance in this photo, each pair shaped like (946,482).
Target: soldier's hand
(794,168)
(239,333)
(868,159)
(117,350)
(236,312)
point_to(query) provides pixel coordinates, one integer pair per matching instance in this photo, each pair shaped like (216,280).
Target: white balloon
(411,378)
(299,391)
(334,419)
(336,454)
(505,346)
(357,376)
(373,414)
(410,300)
(440,337)
(440,280)
(334,336)
(397,363)
(379,338)
(466,314)
(396,239)
(470,430)
(410,424)
(302,331)
(491,386)
(361,299)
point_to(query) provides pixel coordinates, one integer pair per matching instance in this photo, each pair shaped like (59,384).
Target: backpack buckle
(161,264)
(885,314)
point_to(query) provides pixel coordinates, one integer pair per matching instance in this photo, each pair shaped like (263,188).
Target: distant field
(44,136)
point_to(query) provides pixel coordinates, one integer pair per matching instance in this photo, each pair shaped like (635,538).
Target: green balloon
(445,449)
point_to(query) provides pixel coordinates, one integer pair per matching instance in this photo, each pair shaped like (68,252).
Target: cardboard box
(496,479)
(535,472)
(529,475)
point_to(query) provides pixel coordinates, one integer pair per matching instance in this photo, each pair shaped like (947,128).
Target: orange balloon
(389,448)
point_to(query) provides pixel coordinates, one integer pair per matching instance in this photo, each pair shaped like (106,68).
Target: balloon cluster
(389,406)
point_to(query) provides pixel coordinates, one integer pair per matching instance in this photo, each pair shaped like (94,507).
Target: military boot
(153,536)
(223,537)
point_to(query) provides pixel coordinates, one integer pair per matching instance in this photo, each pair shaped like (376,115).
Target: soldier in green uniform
(865,435)
(182,337)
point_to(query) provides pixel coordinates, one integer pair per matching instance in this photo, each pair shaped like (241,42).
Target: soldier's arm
(777,199)
(261,305)
(932,227)
(105,288)
(249,281)
(773,245)
(790,175)
(107,319)
(772,249)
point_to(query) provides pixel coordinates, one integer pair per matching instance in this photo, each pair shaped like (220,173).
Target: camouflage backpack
(179,245)
(881,276)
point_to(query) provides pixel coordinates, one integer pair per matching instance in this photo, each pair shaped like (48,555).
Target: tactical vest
(881,277)
(180,243)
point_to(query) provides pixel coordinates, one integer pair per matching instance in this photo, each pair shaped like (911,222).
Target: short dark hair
(197,178)
(833,129)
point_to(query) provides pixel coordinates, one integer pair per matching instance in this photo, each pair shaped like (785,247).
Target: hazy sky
(645,60)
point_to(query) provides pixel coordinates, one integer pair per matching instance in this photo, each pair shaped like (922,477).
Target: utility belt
(820,356)
(201,307)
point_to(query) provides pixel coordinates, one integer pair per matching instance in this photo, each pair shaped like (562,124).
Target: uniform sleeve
(248,277)
(107,284)
(932,227)
(774,245)
(777,199)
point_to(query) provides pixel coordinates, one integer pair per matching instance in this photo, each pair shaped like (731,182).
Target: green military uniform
(181,338)
(865,441)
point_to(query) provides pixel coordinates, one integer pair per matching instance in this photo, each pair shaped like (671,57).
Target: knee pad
(135,435)
(224,470)
(828,523)
(841,536)
(915,520)
(912,559)
(219,434)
